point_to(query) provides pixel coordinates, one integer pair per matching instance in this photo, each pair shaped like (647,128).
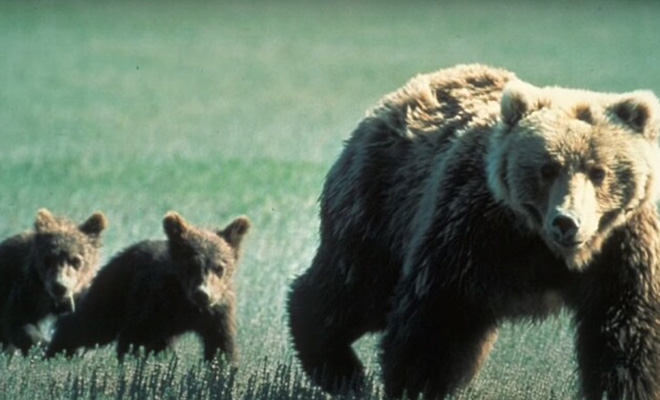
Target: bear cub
(43,273)
(154,291)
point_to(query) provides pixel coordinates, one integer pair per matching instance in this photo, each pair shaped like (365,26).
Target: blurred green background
(219,108)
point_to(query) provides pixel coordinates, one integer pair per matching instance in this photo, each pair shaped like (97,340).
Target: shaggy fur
(469,197)
(43,273)
(154,291)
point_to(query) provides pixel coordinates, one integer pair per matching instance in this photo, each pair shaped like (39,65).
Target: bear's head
(65,255)
(576,164)
(205,260)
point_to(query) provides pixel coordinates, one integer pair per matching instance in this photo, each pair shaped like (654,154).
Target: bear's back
(436,106)
(112,285)
(380,177)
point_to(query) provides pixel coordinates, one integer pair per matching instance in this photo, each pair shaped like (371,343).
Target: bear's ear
(94,225)
(235,231)
(45,221)
(639,111)
(174,225)
(517,101)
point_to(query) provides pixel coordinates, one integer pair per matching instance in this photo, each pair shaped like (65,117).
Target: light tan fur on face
(217,285)
(579,132)
(573,192)
(74,264)
(215,256)
(70,278)
(215,288)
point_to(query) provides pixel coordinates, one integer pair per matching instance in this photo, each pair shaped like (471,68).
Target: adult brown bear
(468,197)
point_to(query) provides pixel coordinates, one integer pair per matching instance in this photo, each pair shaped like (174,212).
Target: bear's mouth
(64,305)
(568,245)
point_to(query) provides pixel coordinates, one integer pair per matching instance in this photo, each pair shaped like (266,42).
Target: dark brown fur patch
(633,114)
(583,113)
(483,81)
(541,103)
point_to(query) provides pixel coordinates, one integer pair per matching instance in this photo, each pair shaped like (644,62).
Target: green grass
(222,108)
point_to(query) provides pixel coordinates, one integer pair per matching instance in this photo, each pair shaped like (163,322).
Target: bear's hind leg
(328,312)
(323,329)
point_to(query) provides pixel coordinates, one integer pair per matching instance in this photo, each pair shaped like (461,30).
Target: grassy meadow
(220,108)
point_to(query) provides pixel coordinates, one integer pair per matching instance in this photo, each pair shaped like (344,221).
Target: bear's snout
(201,297)
(565,228)
(58,290)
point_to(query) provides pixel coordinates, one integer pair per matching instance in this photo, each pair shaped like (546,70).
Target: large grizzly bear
(154,291)
(44,272)
(468,197)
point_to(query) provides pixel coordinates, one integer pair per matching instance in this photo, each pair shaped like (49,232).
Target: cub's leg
(218,333)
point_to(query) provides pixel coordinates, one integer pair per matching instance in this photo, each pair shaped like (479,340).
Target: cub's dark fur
(44,272)
(154,291)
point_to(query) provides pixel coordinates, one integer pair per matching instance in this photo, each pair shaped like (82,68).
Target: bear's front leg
(433,344)
(67,336)
(25,336)
(20,327)
(218,333)
(618,347)
(618,315)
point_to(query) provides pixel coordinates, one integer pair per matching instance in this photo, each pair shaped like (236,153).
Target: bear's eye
(76,261)
(549,170)
(597,174)
(218,269)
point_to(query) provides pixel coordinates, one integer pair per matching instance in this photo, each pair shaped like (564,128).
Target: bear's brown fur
(468,197)
(156,290)
(44,272)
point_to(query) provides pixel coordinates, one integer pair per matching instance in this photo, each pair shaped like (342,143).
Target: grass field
(218,108)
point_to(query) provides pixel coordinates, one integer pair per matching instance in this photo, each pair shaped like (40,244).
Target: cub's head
(65,255)
(575,163)
(205,259)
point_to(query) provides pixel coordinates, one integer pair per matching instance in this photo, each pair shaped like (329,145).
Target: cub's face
(66,255)
(205,259)
(575,164)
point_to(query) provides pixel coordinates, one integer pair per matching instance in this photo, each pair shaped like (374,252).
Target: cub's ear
(518,99)
(174,225)
(235,231)
(45,220)
(94,225)
(639,110)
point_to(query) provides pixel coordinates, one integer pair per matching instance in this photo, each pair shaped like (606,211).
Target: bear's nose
(200,296)
(565,226)
(58,290)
